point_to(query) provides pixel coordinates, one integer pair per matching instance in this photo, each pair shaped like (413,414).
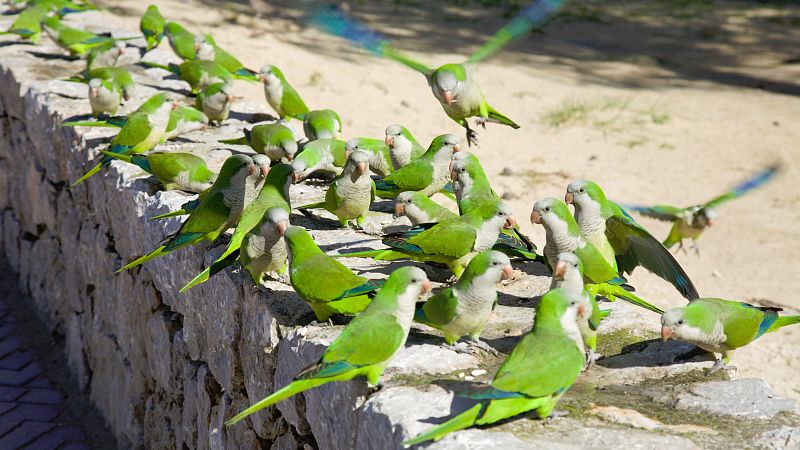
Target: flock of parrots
(588,250)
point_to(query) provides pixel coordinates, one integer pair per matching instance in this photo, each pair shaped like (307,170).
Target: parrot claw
(591,358)
(696,249)
(472,137)
(459,347)
(481,121)
(720,365)
(555,415)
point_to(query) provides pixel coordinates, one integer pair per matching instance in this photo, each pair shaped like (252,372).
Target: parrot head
(269,74)
(568,266)
(449,82)
(396,136)
(584,194)
(504,216)
(221,97)
(357,163)
(94,87)
(691,323)
(404,200)
(239,166)
(445,144)
(704,218)
(563,305)
(550,212)
(490,266)
(203,49)
(262,163)
(404,286)
(279,218)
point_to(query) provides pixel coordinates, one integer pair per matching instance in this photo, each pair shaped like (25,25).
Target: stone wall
(165,369)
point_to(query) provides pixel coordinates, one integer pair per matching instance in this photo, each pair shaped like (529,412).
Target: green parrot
(691,222)
(197,74)
(119,78)
(281,96)
(263,249)
(28,24)
(184,171)
(452,242)
(540,369)
(143,130)
(74,40)
(427,174)
(152,27)
(108,54)
(568,275)
(104,97)
(619,238)
(180,40)
(276,140)
(182,120)
(215,101)
(403,148)
(379,160)
(421,209)
(322,124)
(273,193)
(367,343)
(351,193)
(324,155)
(721,326)
(562,234)
(220,209)
(464,308)
(207,49)
(324,283)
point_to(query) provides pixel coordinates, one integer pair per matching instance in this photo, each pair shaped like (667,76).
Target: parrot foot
(481,121)
(472,137)
(720,365)
(327,323)
(591,358)
(696,248)
(477,343)
(378,387)
(555,415)
(459,347)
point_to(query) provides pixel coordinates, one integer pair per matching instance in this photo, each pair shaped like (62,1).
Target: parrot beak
(264,171)
(229,98)
(666,333)
(456,148)
(252,169)
(448,97)
(175,105)
(121,51)
(262,78)
(289,157)
(511,222)
(581,309)
(560,270)
(281,227)
(361,168)
(196,46)
(296,177)
(710,222)
(204,127)
(426,286)
(508,271)
(399,209)
(568,198)
(94,92)
(389,141)
(536,217)
(454,175)
(347,154)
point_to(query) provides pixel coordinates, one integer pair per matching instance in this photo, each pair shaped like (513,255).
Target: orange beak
(94,92)
(361,168)
(289,157)
(204,127)
(262,78)
(281,227)
(264,171)
(399,209)
(560,270)
(710,222)
(448,97)
(229,98)
(536,217)
(175,105)
(296,177)
(666,333)
(508,271)
(121,51)
(389,141)
(511,222)
(426,286)
(347,154)
(252,169)
(568,198)
(456,148)
(581,309)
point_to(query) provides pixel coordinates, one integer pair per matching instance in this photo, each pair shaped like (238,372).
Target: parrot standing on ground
(183,171)
(280,95)
(104,97)
(215,101)
(207,49)
(263,249)
(180,40)
(721,326)
(152,27)
(367,343)
(427,174)
(403,148)
(420,209)
(275,140)
(535,375)
(197,74)
(322,124)
(380,162)
(324,155)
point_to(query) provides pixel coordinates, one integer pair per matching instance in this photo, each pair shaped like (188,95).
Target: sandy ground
(658,101)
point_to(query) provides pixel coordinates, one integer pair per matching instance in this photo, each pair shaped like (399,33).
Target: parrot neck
(589,219)
(400,152)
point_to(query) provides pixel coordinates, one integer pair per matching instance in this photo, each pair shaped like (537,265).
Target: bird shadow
(516,301)
(183,92)
(52,56)
(655,353)
(251,117)
(10,43)
(534,268)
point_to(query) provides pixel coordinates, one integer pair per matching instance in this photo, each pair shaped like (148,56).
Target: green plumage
(184,171)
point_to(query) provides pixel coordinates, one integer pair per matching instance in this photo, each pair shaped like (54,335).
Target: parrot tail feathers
(87,175)
(154,254)
(616,291)
(312,206)
(246,74)
(380,254)
(464,420)
(369,286)
(295,387)
(119,156)
(180,212)
(88,123)
(499,117)
(199,279)
(784,321)
(182,240)
(215,268)
(236,141)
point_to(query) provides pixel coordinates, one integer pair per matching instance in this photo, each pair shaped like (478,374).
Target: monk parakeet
(453,242)
(236,185)
(274,193)
(721,326)
(691,222)
(119,77)
(263,249)
(180,40)
(74,40)
(207,49)
(403,148)
(198,74)
(324,283)
(104,97)
(276,140)
(562,234)
(182,120)
(28,24)
(280,95)
(184,171)
(143,130)
(351,193)
(367,343)
(421,209)
(427,174)
(324,155)
(539,370)
(108,54)
(152,27)
(215,101)
(619,238)
(464,308)
(322,124)
(568,275)
(379,160)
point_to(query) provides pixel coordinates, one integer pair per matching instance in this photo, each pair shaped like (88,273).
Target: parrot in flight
(464,308)
(276,140)
(691,222)
(721,326)
(367,343)
(403,147)
(152,27)
(623,242)
(539,370)
(453,85)
(281,96)
(184,171)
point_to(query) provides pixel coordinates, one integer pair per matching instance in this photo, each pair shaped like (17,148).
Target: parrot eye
(462,170)
(547,208)
(680,322)
(414,280)
(581,190)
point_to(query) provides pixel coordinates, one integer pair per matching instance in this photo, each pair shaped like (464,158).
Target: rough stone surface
(166,369)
